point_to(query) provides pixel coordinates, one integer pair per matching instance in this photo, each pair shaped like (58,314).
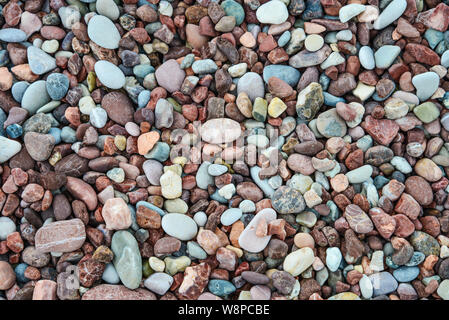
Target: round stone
(252,84)
(272,12)
(57,85)
(103,32)
(218,131)
(179,226)
(109,74)
(314,42)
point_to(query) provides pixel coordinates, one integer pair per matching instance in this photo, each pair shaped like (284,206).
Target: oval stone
(179,226)
(218,131)
(61,236)
(103,32)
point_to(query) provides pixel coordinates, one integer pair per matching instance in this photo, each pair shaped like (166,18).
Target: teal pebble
(14,130)
(285,73)
(153,27)
(143,98)
(441,47)
(159,152)
(284,38)
(433,37)
(233,8)
(142,70)
(221,288)
(416,259)
(187,61)
(332,100)
(406,274)
(195,251)
(230,216)
(380,181)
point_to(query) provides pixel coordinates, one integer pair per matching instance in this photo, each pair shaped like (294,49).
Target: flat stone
(61,236)
(179,226)
(109,74)
(426,84)
(383,283)
(103,32)
(218,131)
(252,84)
(35,96)
(39,61)
(127,260)
(117,292)
(272,12)
(349,11)
(393,11)
(248,240)
(8,148)
(385,55)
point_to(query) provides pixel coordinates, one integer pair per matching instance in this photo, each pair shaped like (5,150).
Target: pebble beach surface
(236,149)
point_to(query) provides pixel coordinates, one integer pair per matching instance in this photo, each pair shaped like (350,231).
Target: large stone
(61,236)
(248,239)
(218,131)
(103,32)
(117,292)
(127,260)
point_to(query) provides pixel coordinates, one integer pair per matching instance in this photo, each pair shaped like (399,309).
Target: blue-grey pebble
(57,85)
(406,274)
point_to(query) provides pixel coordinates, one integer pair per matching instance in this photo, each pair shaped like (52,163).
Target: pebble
(179,226)
(426,84)
(272,12)
(383,283)
(219,131)
(349,11)
(127,259)
(385,56)
(35,96)
(61,236)
(57,85)
(39,61)
(109,74)
(248,240)
(366,56)
(298,261)
(103,32)
(159,283)
(12,35)
(392,12)
(252,84)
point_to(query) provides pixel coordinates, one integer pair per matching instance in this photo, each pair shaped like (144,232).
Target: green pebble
(426,112)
